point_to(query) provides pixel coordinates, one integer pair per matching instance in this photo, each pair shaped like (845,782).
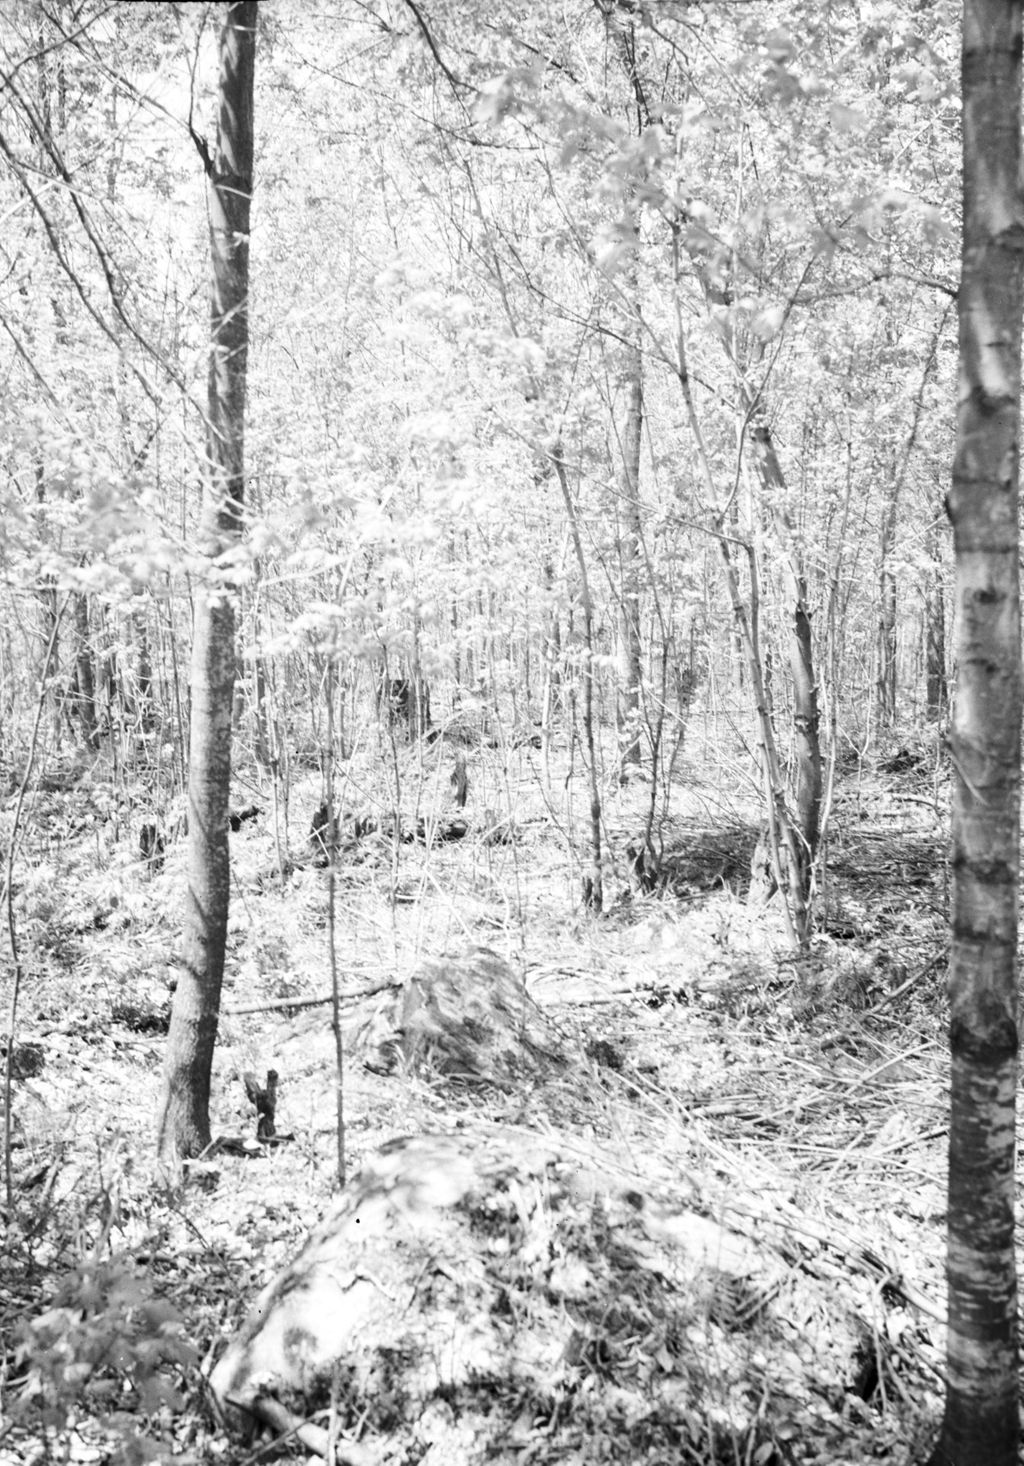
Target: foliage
(108,1346)
(440,267)
(470,223)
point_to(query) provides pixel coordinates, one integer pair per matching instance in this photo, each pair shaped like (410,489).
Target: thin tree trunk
(980,1426)
(593,884)
(936,688)
(184,1125)
(457,576)
(143,698)
(885,651)
(330,677)
(49,675)
(419,690)
(801,661)
(262,740)
(886,671)
(51,83)
(630,567)
(85,678)
(783,837)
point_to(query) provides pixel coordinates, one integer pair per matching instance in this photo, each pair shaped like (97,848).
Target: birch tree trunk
(184,1124)
(980,1426)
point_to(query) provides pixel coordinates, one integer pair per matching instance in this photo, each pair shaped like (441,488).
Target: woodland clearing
(795,1103)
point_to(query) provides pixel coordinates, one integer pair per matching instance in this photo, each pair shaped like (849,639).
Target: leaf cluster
(108,1343)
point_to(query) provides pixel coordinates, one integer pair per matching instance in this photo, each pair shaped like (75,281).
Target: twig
(272,1413)
(909,983)
(284,1004)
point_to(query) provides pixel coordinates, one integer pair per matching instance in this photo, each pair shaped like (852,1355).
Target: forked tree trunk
(980,1426)
(184,1124)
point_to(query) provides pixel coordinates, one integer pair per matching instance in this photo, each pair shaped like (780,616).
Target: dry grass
(796,1108)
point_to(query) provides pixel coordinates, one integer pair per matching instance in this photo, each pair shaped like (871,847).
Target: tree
(184,1127)
(630,436)
(630,542)
(980,1426)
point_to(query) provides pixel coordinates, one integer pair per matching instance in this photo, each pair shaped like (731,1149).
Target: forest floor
(797,1105)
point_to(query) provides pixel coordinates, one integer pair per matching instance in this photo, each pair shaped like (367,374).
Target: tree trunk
(936,689)
(85,678)
(184,1126)
(262,738)
(886,671)
(807,743)
(980,1425)
(143,669)
(784,839)
(630,568)
(593,884)
(629,650)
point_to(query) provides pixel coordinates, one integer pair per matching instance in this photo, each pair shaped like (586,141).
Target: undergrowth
(708,1062)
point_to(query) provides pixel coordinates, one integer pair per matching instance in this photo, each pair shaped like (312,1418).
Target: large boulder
(394,1273)
(469,1286)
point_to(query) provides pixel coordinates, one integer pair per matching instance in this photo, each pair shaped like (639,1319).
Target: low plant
(108,1346)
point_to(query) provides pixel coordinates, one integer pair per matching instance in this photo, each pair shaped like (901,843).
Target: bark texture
(184,1127)
(980,1426)
(806,737)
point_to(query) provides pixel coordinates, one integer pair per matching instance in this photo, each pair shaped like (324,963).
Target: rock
(488,1265)
(470,1017)
(407,1216)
